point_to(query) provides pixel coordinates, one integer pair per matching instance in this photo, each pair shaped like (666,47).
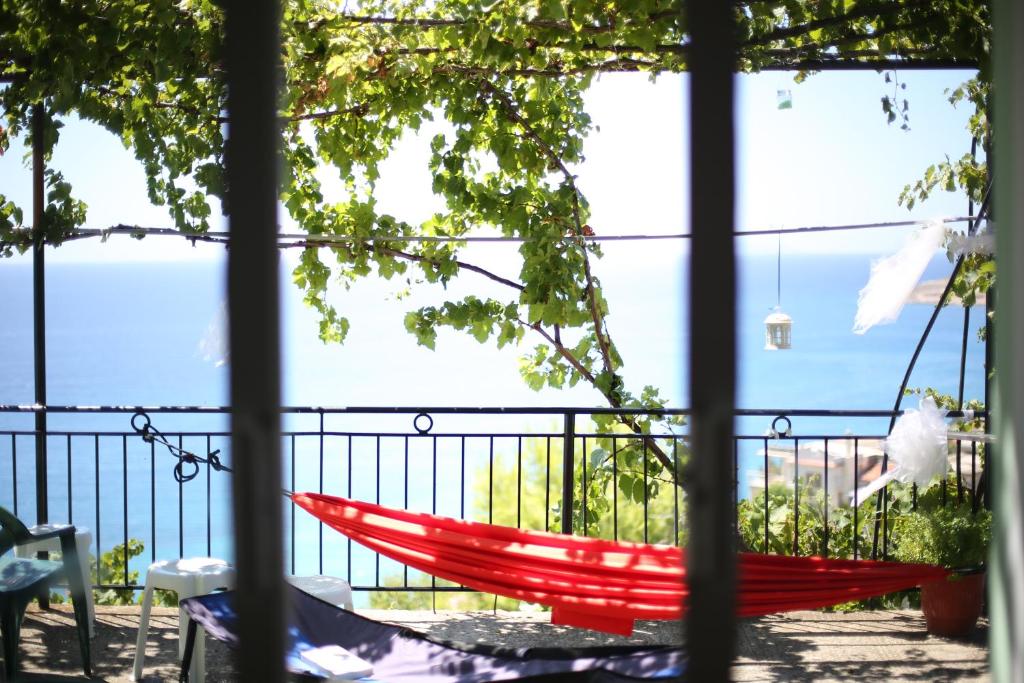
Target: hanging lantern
(778,327)
(778,331)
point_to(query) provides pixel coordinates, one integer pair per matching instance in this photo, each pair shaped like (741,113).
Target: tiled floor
(809,646)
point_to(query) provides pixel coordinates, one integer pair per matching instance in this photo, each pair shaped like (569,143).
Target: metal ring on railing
(416,423)
(146,430)
(785,432)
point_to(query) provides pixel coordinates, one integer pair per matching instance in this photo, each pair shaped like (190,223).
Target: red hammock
(594,583)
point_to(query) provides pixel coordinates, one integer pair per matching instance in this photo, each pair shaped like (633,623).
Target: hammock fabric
(594,583)
(401,655)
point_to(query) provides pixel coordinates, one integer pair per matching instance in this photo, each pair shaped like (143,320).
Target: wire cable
(289,240)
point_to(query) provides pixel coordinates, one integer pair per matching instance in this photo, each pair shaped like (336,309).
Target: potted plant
(955,537)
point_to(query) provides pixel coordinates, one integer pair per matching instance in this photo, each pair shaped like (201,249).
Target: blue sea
(130,334)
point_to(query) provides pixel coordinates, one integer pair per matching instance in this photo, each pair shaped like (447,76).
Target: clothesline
(290,240)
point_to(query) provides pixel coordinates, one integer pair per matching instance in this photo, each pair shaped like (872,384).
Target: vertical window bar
(711,560)
(252,65)
(462,479)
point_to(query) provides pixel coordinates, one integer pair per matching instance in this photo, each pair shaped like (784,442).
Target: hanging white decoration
(894,278)
(919,445)
(918,449)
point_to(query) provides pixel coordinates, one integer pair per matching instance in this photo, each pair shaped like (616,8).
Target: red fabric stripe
(596,583)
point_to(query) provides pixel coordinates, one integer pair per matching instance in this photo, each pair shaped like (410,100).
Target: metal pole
(568,458)
(882,496)
(39,305)
(711,558)
(252,49)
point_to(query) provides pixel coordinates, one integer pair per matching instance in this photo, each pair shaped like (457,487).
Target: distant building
(850,464)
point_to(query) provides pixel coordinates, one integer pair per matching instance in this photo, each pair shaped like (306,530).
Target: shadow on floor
(868,645)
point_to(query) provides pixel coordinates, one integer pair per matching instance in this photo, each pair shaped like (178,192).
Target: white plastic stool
(83,539)
(328,588)
(188,577)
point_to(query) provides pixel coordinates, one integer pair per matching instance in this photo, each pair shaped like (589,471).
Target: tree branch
(461,264)
(562,351)
(556,159)
(543,24)
(861,12)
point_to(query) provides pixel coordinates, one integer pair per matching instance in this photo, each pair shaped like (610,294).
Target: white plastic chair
(188,577)
(328,588)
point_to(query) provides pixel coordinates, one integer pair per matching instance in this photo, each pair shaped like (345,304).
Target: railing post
(39,307)
(568,456)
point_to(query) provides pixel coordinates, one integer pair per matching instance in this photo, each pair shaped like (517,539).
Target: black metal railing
(557,469)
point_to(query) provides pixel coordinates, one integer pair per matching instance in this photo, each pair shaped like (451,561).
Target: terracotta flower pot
(952,607)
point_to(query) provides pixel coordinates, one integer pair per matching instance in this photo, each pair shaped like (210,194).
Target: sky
(830,159)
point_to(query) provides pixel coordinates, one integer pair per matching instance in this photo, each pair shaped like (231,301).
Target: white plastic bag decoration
(213,346)
(917,449)
(918,445)
(894,278)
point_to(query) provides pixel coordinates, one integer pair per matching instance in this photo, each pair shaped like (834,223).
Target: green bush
(955,536)
(112,564)
(815,535)
(111,567)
